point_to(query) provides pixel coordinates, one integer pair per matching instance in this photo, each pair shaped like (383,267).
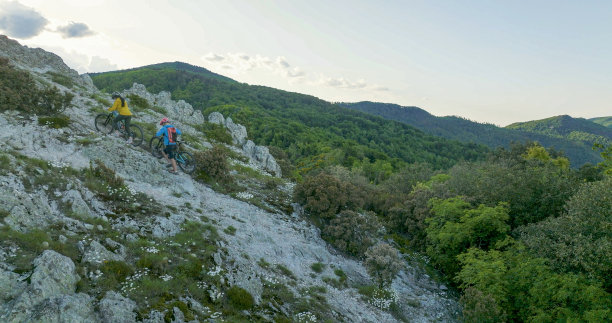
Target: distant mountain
(456,128)
(564,126)
(604,121)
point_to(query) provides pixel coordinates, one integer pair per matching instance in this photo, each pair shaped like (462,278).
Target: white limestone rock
(115,308)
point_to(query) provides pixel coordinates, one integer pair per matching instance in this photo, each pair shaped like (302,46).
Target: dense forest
(575,137)
(522,235)
(564,126)
(604,121)
(311,132)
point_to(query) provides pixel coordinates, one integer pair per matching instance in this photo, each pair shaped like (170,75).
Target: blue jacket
(164,131)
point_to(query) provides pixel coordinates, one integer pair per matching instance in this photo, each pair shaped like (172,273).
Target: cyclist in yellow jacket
(124,114)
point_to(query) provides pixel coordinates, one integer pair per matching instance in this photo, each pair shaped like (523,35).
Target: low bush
(56,122)
(138,102)
(351,232)
(317,267)
(213,165)
(19,91)
(240,298)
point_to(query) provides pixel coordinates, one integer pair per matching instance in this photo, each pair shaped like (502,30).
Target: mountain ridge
(462,129)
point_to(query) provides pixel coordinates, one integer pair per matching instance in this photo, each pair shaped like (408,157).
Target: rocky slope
(78,208)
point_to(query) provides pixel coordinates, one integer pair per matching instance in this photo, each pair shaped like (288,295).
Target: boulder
(96,253)
(77,204)
(114,308)
(54,275)
(216,118)
(65,308)
(237,131)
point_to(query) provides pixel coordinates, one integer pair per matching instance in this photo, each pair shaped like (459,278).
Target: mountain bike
(104,124)
(184,159)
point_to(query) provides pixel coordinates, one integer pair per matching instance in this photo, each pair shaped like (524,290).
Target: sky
(497,62)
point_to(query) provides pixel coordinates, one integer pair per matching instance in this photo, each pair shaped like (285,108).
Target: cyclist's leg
(127,119)
(166,153)
(172,155)
(116,122)
(127,128)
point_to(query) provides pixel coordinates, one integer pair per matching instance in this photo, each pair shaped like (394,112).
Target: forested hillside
(311,132)
(578,150)
(604,121)
(577,129)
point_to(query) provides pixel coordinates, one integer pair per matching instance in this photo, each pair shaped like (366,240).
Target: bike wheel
(186,162)
(156,145)
(103,123)
(137,135)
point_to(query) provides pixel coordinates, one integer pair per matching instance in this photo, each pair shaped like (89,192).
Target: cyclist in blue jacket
(170,134)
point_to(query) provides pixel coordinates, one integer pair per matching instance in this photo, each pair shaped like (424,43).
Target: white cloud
(213,57)
(83,63)
(240,63)
(343,83)
(380,88)
(19,21)
(101,64)
(75,30)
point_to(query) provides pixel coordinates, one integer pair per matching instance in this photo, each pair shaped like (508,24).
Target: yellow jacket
(123,110)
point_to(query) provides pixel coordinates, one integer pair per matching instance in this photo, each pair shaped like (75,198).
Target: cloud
(19,21)
(380,88)
(75,30)
(213,57)
(343,83)
(100,64)
(240,63)
(294,72)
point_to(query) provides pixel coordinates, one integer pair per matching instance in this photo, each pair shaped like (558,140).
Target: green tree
(579,240)
(352,232)
(383,263)
(455,226)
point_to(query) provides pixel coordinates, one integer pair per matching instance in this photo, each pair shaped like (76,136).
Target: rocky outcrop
(39,61)
(177,110)
(114,308)
(48,297)
(259,156)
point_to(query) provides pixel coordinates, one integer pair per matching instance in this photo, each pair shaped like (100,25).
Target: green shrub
(317,267)
(102,100)
(5,163)
(351,232)
(285,271)
(159,110)
(480,308)
(138,101)
(216,132)
(61,79)
(55,122)
(230,230)
(118,269)
(240,298)
(383,263)
(18,91)
(322,195)
(213,165)
(51,100)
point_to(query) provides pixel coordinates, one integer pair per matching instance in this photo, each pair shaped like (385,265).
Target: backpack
(172,135)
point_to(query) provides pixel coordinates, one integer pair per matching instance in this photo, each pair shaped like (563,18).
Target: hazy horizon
(490,62)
